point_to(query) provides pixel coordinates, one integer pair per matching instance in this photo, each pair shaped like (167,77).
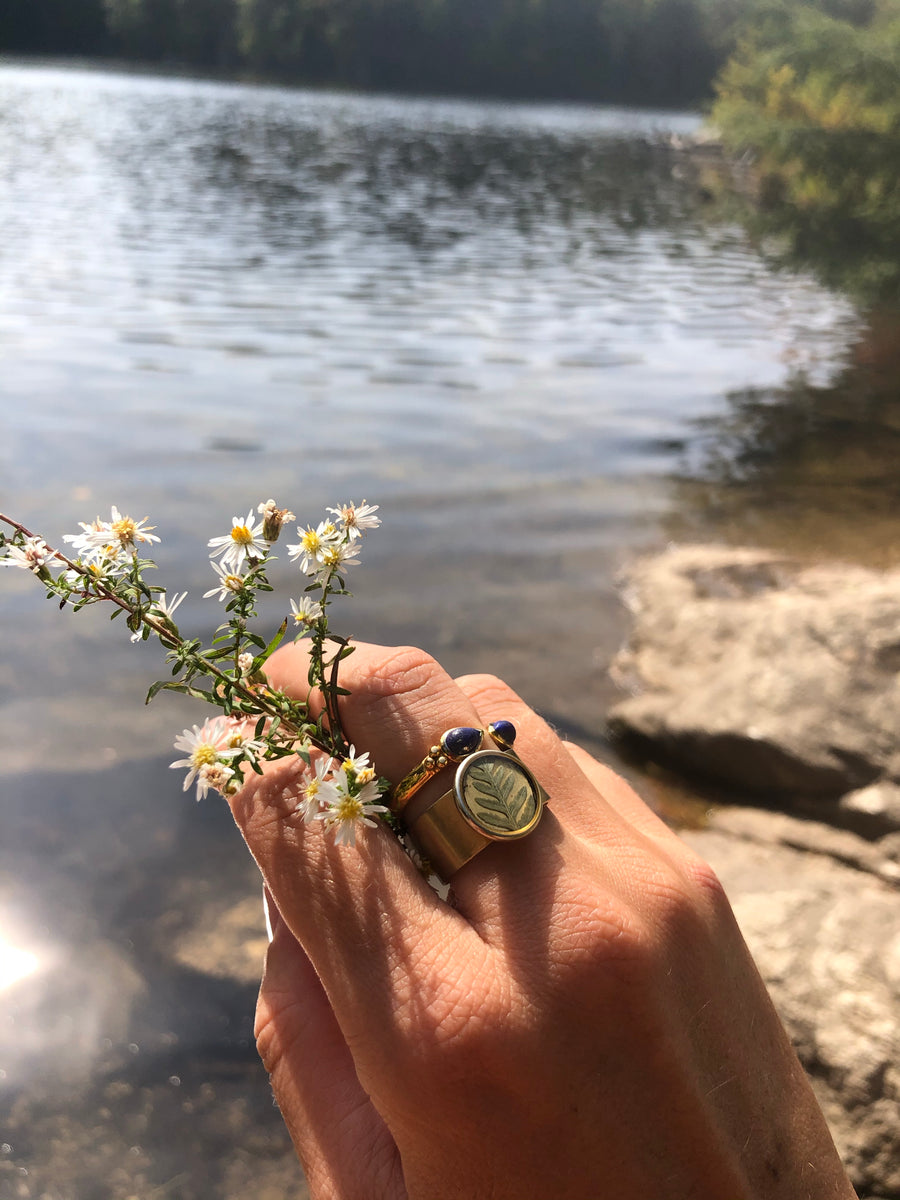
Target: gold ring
(494,798)
(453,746)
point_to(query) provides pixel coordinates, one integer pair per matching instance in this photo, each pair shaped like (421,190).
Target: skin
(582,1020)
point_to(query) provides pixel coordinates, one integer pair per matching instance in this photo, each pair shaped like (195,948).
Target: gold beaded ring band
(453,746)
(494,798)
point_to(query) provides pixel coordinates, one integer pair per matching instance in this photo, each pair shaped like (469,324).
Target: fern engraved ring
(494,798)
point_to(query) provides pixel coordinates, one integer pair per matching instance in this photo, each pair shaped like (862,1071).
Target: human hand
(584,1020)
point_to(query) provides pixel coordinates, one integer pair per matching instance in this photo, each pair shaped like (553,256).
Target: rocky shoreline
(777,683)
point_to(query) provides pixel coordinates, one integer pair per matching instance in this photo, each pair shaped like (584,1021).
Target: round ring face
(497,795)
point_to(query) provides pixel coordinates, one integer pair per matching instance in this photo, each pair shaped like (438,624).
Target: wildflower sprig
(257,722)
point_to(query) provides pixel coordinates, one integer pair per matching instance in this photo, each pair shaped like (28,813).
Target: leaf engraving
(500,798)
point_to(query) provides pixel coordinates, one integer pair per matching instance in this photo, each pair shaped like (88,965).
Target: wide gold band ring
(494,798)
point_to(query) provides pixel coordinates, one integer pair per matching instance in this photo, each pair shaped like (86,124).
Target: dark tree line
(643,51)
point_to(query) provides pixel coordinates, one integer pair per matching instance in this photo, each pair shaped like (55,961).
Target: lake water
(517,328)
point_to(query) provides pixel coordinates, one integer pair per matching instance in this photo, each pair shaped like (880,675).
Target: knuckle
(708,886)
(486,690)
(282,1024)
(601,943)
(686,905)
(266,1031)
(458,1031)
(403,669)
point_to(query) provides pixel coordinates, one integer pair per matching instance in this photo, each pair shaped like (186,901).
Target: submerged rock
(763,674)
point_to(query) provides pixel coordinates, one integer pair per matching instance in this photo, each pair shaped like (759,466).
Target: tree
(814,99)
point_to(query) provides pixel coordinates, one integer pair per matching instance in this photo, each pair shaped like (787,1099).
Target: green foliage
(815,101)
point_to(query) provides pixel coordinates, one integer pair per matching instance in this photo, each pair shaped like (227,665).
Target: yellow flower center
(311,541)
(125,529)
(234,583)
(204,755)
(312,788)
(332,556)
(242,535)
(349,808)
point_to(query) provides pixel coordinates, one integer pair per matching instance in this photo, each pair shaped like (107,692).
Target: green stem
(169,639)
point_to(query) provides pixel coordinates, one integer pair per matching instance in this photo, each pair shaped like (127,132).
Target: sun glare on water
(15,964)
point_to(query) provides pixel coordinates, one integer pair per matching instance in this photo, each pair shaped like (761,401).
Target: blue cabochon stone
(461,741)
(503,732)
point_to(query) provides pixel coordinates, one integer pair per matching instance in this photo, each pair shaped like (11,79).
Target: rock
(815,837)
(879,803)
(826,938)
(761,673)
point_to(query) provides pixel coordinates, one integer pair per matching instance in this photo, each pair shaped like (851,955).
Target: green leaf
(155,688)
(276,640)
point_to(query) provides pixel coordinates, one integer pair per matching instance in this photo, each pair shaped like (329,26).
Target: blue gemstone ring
(454,745)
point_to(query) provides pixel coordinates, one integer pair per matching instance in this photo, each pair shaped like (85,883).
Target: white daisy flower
(99,549)
(316,790)
(103,570)
(215,775)
(30,556)
(88,544)
(229,584)
(244,541)
(337,556)
(128,532)
(354,764)
(306,611)
(205,745)
(241,742)
(355,519)
(344,814)
(108,538)
(313,545)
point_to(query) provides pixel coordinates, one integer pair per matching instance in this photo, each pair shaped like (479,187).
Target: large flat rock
(764,674)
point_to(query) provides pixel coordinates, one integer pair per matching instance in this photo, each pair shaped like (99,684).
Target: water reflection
(808,467)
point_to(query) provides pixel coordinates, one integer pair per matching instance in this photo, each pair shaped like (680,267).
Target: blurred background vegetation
(811,98)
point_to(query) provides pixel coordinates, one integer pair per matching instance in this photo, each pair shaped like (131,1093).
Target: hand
(584,1021)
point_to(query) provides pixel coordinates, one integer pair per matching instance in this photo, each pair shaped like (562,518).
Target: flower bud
(273,519)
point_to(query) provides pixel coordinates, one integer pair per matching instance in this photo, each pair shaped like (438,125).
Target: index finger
(377,934)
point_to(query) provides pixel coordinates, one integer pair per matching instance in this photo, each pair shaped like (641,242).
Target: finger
(377,935)
(343,1143)
(574,797)
(598,847)
(620,795)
